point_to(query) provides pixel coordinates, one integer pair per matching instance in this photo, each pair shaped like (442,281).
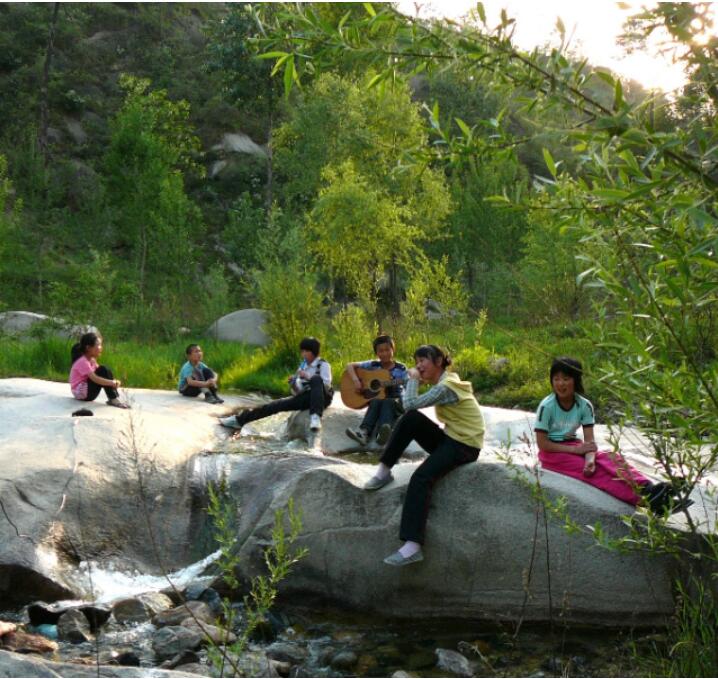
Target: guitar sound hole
(375,385)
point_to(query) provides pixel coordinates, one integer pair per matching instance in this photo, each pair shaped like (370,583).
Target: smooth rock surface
(246,326)
(85,487)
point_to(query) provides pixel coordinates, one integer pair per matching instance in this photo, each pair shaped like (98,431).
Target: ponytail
(76,352)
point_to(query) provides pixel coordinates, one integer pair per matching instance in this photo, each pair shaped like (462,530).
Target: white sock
(409,548)
(382,471)
(204,390)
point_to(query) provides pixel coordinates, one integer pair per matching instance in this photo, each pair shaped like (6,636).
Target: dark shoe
(680,504)
(382,436)
(374,483)
(359,435)
(396,559)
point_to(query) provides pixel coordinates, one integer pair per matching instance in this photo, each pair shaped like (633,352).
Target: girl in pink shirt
(87,378)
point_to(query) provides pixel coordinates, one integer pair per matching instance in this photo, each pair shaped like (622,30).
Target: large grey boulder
(485,555)
(24,324)
(116,487)
(129,489)
(246,326)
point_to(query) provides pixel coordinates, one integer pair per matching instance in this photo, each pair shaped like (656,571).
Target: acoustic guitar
(374,385)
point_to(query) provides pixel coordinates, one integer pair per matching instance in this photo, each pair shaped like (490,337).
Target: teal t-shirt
(186,371)
(560,424)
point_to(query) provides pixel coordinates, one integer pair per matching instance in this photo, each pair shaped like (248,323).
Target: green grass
(520,381)
(151,366)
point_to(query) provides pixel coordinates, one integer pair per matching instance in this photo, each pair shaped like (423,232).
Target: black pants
(445,454)
(380,411)
(189,390)
(94,389)
(315,399)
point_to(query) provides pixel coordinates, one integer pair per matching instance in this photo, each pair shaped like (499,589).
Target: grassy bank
(509,368)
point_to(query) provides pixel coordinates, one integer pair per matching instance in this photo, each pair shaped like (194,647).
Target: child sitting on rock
(196,378)
(558,418)
(381,414)
(311,386)
(87,378)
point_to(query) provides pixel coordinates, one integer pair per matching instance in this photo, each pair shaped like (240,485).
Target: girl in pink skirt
(558,418)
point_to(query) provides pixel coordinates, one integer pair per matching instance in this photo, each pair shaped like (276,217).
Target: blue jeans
(379,412)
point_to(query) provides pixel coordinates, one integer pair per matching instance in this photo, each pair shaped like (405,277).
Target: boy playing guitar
(382,412)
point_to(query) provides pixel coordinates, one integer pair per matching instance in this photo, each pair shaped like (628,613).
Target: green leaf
(376,79)
(606,77)
(466,130)
(481,12)
(272,55)
(618,101)
(290,75)
(369,9)
(548,159)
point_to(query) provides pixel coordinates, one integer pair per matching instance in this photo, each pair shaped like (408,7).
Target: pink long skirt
(613,474)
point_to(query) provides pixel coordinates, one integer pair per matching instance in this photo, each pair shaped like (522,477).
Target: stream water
(332,643)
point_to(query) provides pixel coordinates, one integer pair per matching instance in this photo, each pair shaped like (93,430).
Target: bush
(295,307)
(353,332)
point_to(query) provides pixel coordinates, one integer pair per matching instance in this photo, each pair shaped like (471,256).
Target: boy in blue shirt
(196,378)
(381,413)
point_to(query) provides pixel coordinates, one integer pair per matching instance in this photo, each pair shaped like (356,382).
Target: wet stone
(195,668)
(216,634)
(73,627)
(170,641)
(453,662)
(175,616)
(286,652)
(325,655)
(344,660)
(40,613)
(140,608)
(184,658)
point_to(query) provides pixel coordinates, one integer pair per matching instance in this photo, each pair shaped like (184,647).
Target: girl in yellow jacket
(459,442)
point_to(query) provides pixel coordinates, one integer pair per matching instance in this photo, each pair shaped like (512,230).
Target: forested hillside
(158,172)
(141,192)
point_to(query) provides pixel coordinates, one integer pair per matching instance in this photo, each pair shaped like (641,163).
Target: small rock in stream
(40,613)
(140,608)
(454,662)
(344,660)
(191,609)
(287,652)
(184,658)
(74,627)
(167,642)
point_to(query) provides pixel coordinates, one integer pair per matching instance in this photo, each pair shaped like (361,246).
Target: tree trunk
(44,105)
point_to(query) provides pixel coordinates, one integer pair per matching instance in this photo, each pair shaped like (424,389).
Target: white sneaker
(315,422)
(229,422)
